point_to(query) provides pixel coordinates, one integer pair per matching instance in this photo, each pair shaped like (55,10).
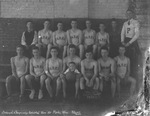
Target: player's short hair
(88,20)
(72,46)
(72,63)
(104,48)
(21,46)
(55,48)
(130,10)
(29,22)
(35,48)
(59,22)
(74,20)
(113,19)
(47,20)
(88,50)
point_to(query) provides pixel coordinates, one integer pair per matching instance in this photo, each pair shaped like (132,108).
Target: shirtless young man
(37,66)
(60,40)
(53,71)
(102,38)
(19,65)
(107,70)
(89,71)
(74,36)
(89,37)
(45,39)
(123,71)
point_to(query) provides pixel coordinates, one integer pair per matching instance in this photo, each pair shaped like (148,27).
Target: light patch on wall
(72,2)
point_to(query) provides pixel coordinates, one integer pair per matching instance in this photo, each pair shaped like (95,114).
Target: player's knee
(82,80)
(58,80)
(94,46)
(9,79)
(43,77)
(47,81)
(49,46)
(28,77)
(22,79)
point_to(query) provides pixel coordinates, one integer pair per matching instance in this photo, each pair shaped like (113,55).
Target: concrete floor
(70,107)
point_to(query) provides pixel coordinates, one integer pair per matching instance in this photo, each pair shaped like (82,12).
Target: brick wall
(44,8)
(104,9)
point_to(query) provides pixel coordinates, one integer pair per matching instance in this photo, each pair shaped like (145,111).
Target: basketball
(70,76)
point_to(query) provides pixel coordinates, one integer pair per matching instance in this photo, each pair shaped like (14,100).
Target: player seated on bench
(53,72)
(60,40)
(19,66)
(123,71)
(107,70)
(89,71)
(37,74)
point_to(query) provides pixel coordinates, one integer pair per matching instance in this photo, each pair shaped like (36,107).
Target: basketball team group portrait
(70,63)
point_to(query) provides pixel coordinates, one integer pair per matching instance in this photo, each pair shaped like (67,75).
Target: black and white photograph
(74,57)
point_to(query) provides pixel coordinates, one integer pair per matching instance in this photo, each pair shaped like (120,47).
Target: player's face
(113,23)
(47,24)
(129,15)
(59,26)
(35,53)
(88,55)
(121,50)
(74,24)
(54,52)
(29,25)
(72,51)
(104,53)
(102,27)
(88,24)
(19,51)
(72,67)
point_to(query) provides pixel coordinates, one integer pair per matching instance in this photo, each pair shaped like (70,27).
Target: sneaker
(31,96)
(40,96)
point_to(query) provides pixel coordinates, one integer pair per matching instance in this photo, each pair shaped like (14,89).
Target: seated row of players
(45,38)
(90,73)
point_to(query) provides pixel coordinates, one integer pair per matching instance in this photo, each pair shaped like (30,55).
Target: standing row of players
(84,73)
(45,38)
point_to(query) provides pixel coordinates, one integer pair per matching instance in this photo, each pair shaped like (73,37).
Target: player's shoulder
(99,60)
(68,31)
(78,58)
(127,58)
(31,59)
(25,58)
(111,59)
(13,58)
(93,30)
(116,58)
(135,21)
(84,31)
(43,59)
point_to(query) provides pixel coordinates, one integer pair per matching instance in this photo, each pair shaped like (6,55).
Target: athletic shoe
(31,96)
(40,96)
